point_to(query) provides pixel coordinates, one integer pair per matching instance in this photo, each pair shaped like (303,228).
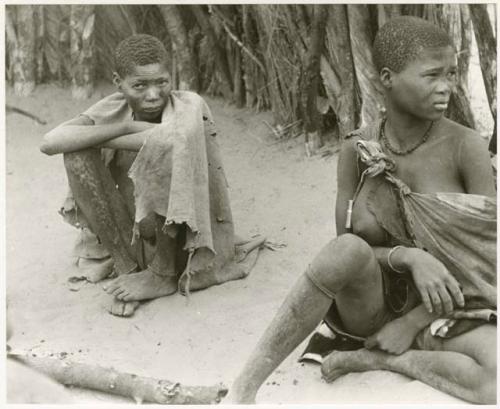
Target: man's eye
(138,86)
(452,74)
(164,83)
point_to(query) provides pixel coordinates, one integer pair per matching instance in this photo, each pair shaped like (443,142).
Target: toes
(111,287)
(120,295)
(129,308)
(116,308)
(127,297)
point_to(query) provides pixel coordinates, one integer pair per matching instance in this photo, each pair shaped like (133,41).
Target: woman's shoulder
(366,132)
(462,138)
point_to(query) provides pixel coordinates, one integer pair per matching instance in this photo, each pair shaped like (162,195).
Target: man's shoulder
(188,96)
(112,108)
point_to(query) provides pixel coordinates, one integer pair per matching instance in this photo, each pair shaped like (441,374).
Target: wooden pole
(20,36)
(82,53)
(139,388)
(486,45)
(180,43)
(203,20)
(311,80)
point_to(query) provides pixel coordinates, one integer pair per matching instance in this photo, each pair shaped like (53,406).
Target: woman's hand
(437,287)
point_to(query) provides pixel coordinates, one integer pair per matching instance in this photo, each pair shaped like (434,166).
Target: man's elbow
(47,147)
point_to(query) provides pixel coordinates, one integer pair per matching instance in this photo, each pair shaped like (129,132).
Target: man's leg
(158,280)
(97,197)
(346,267)
(465,366)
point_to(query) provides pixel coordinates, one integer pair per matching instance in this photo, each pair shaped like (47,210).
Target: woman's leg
(345,268)
(463,366)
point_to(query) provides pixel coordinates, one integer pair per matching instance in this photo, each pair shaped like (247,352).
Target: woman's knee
(485,386)
(343,260)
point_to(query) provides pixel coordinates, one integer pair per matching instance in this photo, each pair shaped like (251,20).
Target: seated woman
(425,153)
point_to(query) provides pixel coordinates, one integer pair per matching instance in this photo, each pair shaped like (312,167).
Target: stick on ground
(139,388)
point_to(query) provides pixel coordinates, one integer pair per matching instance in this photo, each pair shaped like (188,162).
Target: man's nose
(152,94)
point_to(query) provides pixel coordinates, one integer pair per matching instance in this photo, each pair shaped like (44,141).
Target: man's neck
(137,117)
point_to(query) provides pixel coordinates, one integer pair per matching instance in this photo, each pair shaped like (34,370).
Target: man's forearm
(71,138)
(130,142)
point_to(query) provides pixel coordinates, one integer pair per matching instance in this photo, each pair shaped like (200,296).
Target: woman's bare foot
(235,397)
(144,285)
(96,270)
(340,363)
(122,309)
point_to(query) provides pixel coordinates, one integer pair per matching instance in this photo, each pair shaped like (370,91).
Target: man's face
(423,88)
(146,88)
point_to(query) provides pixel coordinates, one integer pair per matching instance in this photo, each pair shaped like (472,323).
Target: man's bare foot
(144,285)
(122,309)
(340,363)
(96,270)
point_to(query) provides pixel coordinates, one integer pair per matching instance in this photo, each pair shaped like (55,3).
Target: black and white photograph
(250,203)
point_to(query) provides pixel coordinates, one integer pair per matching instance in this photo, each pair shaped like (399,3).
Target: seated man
(416,246)
(175,186)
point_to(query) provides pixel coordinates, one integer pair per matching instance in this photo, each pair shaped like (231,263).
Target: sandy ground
(275,190)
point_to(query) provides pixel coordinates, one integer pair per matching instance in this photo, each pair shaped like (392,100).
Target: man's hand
(395,337)
(139,126)
(437,287)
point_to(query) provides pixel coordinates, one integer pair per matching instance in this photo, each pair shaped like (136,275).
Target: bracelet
(391,251)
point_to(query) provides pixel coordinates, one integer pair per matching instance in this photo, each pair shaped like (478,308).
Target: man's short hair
(401,39)
(137,50)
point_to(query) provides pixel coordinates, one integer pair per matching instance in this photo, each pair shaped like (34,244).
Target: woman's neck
(405,130)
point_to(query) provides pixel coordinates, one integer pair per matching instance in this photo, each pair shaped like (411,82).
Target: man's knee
(342,261)
(78,162)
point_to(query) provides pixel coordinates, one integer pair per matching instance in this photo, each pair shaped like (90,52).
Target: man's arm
(130,142)
(81,133)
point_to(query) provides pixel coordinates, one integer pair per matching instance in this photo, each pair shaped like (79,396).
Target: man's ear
(117,80)
(386,77)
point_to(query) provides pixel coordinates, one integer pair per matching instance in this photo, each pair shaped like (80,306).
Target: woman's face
(423,88)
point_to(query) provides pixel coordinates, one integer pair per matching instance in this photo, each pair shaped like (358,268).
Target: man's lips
(441,106)
(153,109)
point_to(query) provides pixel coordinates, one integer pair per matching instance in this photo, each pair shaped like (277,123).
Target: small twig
(10,108)
(239,43)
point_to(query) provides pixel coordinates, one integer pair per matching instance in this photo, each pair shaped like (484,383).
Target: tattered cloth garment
(178,174)
(458,229)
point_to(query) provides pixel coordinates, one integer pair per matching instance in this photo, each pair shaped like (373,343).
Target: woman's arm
(474,163)
(81,133)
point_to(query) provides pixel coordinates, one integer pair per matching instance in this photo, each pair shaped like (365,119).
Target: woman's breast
(364,223)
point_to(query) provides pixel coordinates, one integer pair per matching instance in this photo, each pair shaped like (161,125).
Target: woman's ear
(386,77)
(117,80)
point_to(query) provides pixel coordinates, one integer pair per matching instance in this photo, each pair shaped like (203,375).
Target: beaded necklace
(395,151)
